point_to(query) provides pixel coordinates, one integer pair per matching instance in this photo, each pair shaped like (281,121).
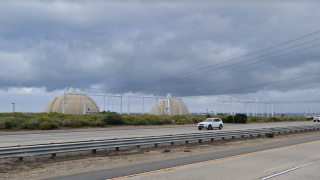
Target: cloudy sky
(243,49)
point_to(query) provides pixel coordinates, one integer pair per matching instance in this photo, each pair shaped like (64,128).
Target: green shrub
(48,125)
(79,123)
(274,119)
(135,123)
(96,123)
(270,135)
(75,124)
(8,124)
(253,119)
(84,122)
(113,119)
(166,120)
(225,119)
(238,118)
(66,122)
(157,122)
(143,122)
(27,125)
(2,123)
(181,122)
(196,119)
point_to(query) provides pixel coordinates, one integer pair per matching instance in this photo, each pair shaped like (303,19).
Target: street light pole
(129,102)
(207,111)
(13,106)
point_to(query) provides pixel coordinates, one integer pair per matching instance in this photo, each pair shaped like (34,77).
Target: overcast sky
(207,48)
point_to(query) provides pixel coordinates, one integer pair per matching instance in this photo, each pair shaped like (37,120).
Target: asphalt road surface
(294,160)
(28,138)
(291,163)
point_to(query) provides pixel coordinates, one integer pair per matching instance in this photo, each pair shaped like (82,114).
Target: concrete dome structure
(73,104)
(174,107)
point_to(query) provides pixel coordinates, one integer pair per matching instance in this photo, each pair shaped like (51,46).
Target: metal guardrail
(54,148)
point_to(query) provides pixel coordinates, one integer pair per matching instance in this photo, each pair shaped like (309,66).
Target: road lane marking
(285,171)
(229,157)
(278,167)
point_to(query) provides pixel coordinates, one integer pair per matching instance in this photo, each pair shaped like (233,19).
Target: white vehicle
(317,118)
(210,123)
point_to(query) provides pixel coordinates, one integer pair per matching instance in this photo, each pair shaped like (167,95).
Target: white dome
(73,104)
(174,104)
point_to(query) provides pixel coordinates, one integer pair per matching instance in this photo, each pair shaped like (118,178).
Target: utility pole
(233,117)
(13,106)
(129,102)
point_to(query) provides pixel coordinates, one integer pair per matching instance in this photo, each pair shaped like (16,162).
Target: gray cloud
(122,45)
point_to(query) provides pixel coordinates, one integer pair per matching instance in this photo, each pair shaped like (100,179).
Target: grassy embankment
(44,121)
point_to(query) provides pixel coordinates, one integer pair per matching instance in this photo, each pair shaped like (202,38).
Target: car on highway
(317,118)
(210,123)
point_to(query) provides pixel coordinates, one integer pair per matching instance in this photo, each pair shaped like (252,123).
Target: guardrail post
(187,142)
(155,145)
(232,137)
(222,137)
(117,148)
(20,159)
(54,155)
(200,140)
(258,135)
(212,139)
(138,146)
(242,136)
(172,143)
(94,151)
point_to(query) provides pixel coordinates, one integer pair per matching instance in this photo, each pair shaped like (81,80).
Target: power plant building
(169,106)
(73,104)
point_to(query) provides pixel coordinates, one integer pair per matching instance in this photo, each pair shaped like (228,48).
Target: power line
(258,62)
(302,101)
(273,83)
(261,73)
(176,81)
(313,77)
(231,59)
(303,82)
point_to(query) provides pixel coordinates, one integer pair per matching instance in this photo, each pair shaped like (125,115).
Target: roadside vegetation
(47,121)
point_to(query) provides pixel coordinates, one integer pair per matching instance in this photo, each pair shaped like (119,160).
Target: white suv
(210,123)
(317,118)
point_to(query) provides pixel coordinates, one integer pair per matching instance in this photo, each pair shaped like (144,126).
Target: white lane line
(279,167)
(283,172)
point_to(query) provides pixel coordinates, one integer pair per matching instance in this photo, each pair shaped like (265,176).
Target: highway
(292,163)
(294,159)
(30,138)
